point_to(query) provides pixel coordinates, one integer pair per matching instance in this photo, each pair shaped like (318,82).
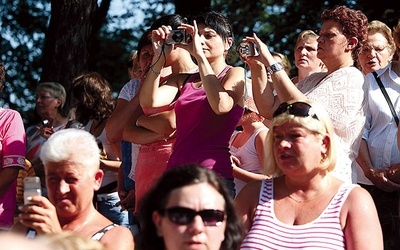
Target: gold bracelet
(155,73)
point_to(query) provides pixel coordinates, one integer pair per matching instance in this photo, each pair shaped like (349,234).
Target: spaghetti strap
(99,234)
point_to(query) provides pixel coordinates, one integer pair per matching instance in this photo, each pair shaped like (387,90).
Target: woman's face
(145,58)
(46,104)
(213,44)
(375,53)
(292,147)
(305,54)
(70,187)
(194,235)
(331,41)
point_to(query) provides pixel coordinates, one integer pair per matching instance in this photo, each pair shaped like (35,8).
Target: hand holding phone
(32,187)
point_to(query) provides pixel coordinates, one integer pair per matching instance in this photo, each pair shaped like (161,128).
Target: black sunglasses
(297,108)
(185,216)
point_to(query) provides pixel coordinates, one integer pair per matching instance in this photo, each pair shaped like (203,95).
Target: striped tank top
(325,232)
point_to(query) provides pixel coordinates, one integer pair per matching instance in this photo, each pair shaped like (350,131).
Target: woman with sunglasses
(304,205)
(342,90)
(189,208)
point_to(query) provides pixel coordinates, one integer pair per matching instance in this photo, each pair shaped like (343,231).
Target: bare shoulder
(119,238)
(358,201)
(236,71)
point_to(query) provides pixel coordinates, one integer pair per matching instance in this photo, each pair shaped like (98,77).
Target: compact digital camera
(178,37)
(247,49)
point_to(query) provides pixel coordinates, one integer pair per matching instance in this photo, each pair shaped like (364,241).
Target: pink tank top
(202,137)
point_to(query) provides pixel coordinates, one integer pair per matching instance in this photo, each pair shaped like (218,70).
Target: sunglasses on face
(301,109)
(185,216)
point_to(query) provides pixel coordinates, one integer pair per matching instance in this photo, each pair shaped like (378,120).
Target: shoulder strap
(385,94)
(102,232)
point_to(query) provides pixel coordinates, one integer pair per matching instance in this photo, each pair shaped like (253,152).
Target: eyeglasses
(297,108)
(43,97)
(366,50)
(185,216)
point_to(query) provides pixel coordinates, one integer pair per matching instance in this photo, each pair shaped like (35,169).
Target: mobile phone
(32,187)
(47,122)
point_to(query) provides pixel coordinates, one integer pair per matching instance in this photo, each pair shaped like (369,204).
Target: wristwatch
(274,68)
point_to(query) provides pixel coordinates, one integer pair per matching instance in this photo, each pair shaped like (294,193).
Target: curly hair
(158,197)
(354,22)
(2,76)
(94,99)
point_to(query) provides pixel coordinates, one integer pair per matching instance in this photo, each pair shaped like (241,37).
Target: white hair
(72,145)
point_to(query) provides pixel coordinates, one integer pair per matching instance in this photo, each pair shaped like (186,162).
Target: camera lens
(177,37)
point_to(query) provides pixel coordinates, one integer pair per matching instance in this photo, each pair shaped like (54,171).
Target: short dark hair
(174,21)
(218,22)
(158,197)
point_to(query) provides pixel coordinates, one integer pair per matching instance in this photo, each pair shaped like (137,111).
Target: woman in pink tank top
(211,101)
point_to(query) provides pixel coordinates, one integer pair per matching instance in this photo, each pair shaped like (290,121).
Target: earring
(323,158)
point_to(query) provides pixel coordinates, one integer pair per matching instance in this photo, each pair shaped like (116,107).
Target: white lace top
(343,94)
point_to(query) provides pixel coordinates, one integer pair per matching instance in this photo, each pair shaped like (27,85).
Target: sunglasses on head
(185,216)
(297,108)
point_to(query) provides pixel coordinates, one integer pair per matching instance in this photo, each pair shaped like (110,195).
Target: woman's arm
(161,123)
(116,123)
(284,87)
(247,176)
(360,222)
(139,135)
(222,97)
(246,203)
(152,93)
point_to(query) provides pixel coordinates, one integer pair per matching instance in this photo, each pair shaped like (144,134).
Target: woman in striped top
(304,206)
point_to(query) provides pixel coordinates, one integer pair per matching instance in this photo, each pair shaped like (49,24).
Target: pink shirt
(12,154)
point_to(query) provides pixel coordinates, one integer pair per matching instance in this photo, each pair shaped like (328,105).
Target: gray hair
(72,145)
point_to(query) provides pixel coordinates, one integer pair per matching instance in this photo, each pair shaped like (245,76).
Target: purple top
(202,136)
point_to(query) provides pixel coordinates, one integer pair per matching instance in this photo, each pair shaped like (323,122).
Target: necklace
(311,199)
(84,223)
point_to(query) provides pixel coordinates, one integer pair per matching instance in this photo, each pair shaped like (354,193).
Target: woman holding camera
(210,102)
(342,90)
(159,120)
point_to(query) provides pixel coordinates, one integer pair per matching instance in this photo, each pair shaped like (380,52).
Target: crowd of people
(192,156)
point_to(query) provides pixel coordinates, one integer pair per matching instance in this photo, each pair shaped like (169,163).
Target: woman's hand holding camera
(195,47)
(158,37)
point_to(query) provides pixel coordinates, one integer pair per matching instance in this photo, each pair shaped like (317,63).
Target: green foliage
(24,24)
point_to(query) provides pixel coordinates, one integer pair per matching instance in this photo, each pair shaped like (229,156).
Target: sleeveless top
(99,234)
(325,232)
(248,156)
(202,136)
(31,233)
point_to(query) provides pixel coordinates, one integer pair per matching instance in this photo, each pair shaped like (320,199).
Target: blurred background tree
(56,40)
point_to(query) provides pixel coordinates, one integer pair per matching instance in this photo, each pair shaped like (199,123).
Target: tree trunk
(186,7)
(67,45)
